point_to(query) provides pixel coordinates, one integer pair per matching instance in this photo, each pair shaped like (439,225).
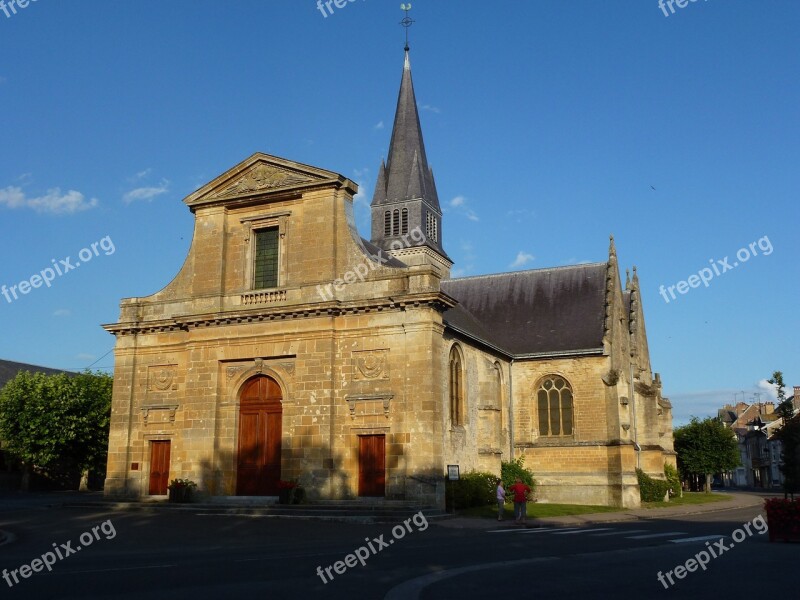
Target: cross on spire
(407,21)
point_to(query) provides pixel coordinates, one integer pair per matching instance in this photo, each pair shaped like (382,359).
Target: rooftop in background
(9,370)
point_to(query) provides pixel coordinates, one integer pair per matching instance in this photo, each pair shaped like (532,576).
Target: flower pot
(284,495)
(180,494)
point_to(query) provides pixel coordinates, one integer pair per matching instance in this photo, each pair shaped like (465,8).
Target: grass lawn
(689,498)
(535,510)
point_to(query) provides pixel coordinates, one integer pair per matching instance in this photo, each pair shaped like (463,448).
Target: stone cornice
(437,301)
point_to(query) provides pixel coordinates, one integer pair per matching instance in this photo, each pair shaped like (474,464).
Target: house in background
(755,426)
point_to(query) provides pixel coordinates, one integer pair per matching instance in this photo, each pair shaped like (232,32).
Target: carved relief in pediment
(262,177)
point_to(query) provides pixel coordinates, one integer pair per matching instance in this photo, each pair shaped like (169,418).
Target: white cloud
(62,312)
(523,258)
(140,175)
(765,388)
(433,109)
(460,204)
(379,125)
(146,193)
(53,202)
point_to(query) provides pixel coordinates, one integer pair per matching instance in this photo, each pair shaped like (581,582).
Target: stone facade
(356,336)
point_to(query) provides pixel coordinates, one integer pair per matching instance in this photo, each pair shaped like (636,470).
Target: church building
(290,348)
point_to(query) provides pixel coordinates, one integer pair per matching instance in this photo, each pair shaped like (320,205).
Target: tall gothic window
(387,223)
(396,222)
(457,409)
(265,273)
(404,221)
(554,400)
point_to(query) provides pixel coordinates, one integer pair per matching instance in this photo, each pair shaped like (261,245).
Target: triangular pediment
(264,174)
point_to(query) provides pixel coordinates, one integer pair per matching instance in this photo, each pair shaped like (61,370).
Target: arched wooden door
(259,456)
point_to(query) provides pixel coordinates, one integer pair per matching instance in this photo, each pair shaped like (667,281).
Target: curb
(664,513)
(598,518)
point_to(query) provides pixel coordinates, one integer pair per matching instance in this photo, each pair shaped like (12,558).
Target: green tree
(789,436)
(706,447)
(57,421)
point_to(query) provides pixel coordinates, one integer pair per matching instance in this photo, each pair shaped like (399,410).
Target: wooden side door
(372,465)
(159,467)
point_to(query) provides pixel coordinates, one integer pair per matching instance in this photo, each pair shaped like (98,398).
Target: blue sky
(549,125)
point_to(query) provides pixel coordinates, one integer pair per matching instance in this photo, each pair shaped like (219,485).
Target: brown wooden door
(372,465)
(260,426)
(159,467)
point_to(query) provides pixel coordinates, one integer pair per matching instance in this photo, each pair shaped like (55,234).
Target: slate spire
(405,195)
(408,175)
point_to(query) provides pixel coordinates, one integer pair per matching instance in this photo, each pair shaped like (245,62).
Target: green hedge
(472,489)
(651,490)
(480,489)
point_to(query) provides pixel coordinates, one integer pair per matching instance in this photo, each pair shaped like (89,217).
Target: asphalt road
(191,555)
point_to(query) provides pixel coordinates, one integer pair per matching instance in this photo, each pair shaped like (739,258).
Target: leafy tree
(789,436)
(706,447)
(57,421)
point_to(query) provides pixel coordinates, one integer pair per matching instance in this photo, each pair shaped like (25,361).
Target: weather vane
(407,21)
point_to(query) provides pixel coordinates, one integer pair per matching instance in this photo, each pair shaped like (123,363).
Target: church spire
(407,172)
(405,195)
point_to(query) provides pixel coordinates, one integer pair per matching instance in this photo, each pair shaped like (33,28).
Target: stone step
(328,511)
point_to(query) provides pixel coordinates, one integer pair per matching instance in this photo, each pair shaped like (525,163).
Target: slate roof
(539,312)
(406,174)
(9,370)
(381,256)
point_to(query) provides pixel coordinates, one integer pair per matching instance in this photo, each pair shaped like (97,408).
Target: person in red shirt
(521,492)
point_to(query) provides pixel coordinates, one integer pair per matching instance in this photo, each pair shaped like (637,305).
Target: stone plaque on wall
(370,365)
(162,378)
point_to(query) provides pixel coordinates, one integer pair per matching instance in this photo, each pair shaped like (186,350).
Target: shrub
(651,490)
(673,479)
(509,471)
(472,489)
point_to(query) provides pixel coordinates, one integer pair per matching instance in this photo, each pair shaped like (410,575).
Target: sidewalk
(738,500)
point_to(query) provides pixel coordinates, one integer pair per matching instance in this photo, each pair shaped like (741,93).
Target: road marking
(655,535)
(552,530)
(581,531)
(624,532)
(519,530)
(697,539)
